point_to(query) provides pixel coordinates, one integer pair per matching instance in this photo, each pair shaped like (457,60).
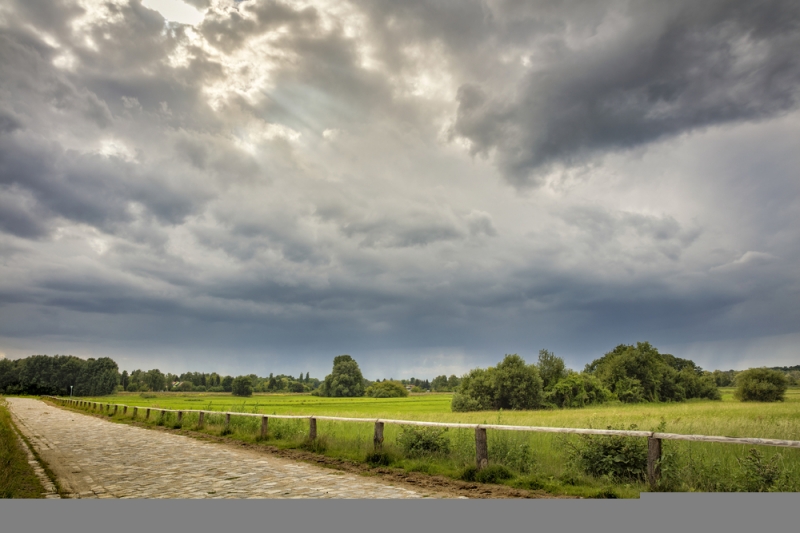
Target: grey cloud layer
(283,180)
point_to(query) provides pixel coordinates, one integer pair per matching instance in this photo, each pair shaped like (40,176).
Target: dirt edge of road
(414,480)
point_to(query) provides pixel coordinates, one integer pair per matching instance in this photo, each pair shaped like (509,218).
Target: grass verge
(17,478)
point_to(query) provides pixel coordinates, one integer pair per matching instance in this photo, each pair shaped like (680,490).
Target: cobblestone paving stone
(94,458)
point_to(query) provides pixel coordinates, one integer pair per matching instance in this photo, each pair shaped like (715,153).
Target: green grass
(538,460)
(17,479)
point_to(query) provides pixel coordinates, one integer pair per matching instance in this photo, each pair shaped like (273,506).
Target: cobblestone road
(94,458)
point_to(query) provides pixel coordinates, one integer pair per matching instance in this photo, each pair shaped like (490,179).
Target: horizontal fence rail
(653,438)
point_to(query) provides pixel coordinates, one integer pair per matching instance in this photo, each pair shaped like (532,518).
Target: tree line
(628,374)
(65,374)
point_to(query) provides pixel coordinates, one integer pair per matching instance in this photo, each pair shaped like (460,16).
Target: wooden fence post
(135,412)
(653,461)
(227,420)
(115,408)
(264,424)
(180,416)
(481,448)
(147,414)
(201,419)
(377,439)
(312,428)
(124,409)
(163,415)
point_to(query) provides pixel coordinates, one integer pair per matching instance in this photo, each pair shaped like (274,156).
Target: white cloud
(175,11)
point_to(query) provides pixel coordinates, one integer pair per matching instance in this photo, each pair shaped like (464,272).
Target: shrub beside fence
(654,438)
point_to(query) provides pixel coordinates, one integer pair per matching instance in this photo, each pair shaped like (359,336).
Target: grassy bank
(17,479)
(536,460)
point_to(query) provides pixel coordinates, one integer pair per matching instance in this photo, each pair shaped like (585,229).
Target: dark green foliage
(493,474)
(760,385)
(345,380)
(226,431)
(490,474)
(639,373)
(379,459)
(469,473)
(510,385)
(242,386)
(620,458)
(386,389)
(420,441)
(578,390)
(227,383)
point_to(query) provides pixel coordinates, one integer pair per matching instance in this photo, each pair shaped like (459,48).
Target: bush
(578,390)
(641,374)
(510,385)
(760,385)
(216,388)
(493,474)
(379,459)
(490,474)
(386,389)
(620,458)
(418,441)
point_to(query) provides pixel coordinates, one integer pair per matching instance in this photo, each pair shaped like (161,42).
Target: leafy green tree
(476,392)
(155,380)
(227,383)
(760,385)
(345,380)
(551,369)
(517,386)
(242,386)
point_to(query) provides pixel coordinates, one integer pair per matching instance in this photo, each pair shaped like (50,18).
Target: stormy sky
(259,186)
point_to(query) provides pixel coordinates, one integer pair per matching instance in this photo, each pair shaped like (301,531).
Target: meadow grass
(17,478)
(537,460)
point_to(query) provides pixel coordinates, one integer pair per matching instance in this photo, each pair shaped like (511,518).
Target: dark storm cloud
(586,78)
(282,180)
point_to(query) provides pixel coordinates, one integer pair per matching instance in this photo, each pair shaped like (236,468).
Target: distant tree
(345,380)
(517,385)
(308,378)
(297,387)
(155,380)
(227,383)
(439,384)
(124,379)
(186,386)
(551,369)
(386,389)
(760,385)
(242,386)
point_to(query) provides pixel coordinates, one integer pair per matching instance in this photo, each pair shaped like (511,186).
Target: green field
(538,460)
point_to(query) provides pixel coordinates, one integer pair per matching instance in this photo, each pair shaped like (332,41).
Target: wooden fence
(481,450)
